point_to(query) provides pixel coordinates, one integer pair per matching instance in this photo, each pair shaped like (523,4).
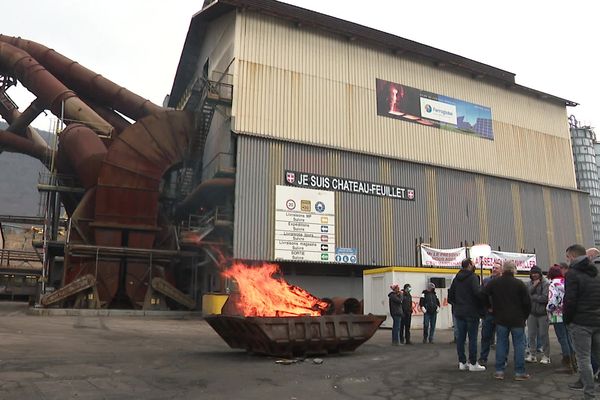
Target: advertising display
(304,224)
(395,100)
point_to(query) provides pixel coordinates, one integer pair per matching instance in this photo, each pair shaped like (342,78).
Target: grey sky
(549,45)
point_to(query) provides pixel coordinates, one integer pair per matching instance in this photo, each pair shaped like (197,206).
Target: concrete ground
(75,357)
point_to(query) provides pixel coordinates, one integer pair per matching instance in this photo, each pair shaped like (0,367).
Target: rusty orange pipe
(51,93)
(85,152)
(86,82)
(13,142)
(10,113)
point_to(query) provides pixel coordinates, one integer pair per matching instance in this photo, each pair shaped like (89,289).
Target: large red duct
(121,205)
(51,93)
(19,144)
(85,152)
(86,82)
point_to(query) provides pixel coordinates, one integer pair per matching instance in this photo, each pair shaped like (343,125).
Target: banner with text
(322,182)
(442,257)
(523,261)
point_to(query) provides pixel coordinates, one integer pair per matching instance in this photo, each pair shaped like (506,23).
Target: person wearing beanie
(395,300)
(538,323)
(556,294)
(430,305)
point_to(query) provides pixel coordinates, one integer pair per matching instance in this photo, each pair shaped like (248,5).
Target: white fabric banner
(523,261)
(442,257)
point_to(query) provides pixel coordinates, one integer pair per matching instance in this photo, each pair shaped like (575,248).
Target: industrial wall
(450,206)
(303,85)
(214,59)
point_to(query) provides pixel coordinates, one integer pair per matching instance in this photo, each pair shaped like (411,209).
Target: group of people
(568,298)
(401,310)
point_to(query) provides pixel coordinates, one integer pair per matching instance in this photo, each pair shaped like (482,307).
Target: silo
(583,140)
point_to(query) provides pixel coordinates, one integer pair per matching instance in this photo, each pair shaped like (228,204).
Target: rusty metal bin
(296,336)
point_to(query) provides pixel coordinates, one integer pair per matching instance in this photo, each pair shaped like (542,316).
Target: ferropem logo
(428,108)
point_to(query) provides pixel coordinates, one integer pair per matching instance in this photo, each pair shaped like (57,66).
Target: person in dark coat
(488,327)
(581,312)
(430,305)
(395,300)
(464,295)
(407,310)
(509,300)
(538,323)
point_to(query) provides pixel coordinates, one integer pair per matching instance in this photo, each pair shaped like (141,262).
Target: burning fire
(263,295)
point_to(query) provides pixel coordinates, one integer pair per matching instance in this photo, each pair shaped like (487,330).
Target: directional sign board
(304,224)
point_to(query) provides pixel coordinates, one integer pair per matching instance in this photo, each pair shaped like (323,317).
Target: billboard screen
(395,100)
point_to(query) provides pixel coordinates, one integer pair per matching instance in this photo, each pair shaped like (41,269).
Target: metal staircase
(205,96)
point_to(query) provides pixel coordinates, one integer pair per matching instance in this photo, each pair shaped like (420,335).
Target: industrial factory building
(350,146)
(292,137)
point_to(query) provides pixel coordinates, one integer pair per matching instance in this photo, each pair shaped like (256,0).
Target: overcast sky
(549,45)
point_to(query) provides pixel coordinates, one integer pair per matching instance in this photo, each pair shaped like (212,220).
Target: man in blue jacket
(464,295)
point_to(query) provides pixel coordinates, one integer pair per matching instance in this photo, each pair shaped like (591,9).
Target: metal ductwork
(118,243)
(86,82)
(51,93)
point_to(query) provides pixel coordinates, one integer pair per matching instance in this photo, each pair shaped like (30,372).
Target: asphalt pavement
(113,357)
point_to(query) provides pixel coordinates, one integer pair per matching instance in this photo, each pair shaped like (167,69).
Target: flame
(263,295)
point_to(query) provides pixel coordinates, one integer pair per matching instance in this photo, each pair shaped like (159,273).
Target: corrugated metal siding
(312,87)
(565,226)
(451,206)
(457,208)
(533,217)
(586,219)
(378,227)
(500,212)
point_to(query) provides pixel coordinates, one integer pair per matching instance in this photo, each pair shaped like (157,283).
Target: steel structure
(125,186)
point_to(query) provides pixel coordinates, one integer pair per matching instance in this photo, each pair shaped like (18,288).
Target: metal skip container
(296,336)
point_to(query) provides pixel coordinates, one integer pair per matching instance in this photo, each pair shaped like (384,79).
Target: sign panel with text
(304,224)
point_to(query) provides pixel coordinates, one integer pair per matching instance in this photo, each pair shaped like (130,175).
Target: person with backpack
(430,305)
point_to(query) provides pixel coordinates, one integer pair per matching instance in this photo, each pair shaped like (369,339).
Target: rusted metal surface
(128,185)
(19,144)
(85,81)
(83,283)
(17,258)
(164,287)
(85,152)
(346,305)
(296,336)
(50,92)
(119,164)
